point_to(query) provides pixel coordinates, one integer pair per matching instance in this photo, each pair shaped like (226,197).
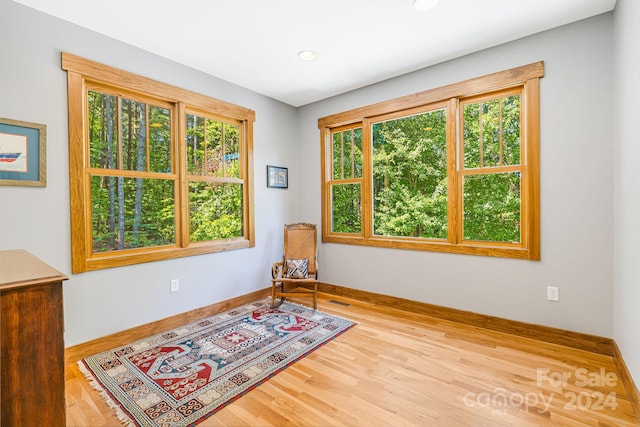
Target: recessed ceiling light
(307,55)
(424,5)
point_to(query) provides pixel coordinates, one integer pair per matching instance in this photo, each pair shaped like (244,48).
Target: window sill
(481,249)
(136,256)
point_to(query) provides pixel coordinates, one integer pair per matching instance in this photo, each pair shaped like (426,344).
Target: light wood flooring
(397,368)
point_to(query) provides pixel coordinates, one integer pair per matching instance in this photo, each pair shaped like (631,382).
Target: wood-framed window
(156,172)
(453,169)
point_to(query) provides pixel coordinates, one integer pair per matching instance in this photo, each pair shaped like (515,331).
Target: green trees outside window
(346,202)
(213,158)
(409,163)
(491,186)
(454,169)
(125,137)
(157,172)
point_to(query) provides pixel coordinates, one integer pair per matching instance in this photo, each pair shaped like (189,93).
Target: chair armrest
(276,269)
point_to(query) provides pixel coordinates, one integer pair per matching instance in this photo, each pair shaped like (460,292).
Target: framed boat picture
(22,153)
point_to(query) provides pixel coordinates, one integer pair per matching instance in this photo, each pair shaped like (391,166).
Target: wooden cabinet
(31,342)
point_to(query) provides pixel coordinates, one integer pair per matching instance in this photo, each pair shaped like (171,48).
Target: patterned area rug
(182,376)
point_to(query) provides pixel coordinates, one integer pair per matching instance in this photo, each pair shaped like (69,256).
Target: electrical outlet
(175,285)
(553,294)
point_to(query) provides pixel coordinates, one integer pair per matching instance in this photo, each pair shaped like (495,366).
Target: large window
(453,169)
(156,172)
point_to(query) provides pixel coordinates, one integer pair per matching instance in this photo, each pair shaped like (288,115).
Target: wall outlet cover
(553,294)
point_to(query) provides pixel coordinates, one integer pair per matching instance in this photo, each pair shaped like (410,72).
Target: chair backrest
(300,241)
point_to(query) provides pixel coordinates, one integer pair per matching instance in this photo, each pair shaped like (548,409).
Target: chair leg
(273,294)
(315,296)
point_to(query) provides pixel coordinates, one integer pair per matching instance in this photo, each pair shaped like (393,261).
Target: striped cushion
(298,268)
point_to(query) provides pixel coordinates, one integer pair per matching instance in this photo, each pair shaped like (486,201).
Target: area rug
(183,376)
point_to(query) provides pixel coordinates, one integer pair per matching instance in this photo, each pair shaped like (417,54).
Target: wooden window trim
(527,77)
(82,72)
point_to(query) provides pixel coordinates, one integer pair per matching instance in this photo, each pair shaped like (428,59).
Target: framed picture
(277,177)
(22,153)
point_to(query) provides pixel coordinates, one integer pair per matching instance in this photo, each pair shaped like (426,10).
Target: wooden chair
(300,244)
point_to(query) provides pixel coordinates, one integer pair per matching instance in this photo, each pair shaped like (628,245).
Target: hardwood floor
(397,368)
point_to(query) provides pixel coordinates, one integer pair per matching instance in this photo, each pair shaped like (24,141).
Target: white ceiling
(254,43)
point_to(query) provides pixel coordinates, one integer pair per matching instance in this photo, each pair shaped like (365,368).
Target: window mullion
(181,185)
(341,155)
(454,131)
(500,153)
(481,133)
(205,148)
(353,156)
(367,180)
(146,134)
(223,150)
(119,131)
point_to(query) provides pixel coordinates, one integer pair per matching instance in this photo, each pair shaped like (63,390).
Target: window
(491,171)
(156,172)
(453,169)
(346,212)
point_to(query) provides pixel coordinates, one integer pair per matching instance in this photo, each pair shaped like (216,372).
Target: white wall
(626,291)
(576,192)
(33,88)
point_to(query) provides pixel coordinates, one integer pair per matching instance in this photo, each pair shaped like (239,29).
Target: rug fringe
(122,417)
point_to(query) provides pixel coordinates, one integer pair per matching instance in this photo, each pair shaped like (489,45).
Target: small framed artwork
(22,153)
(277,177)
